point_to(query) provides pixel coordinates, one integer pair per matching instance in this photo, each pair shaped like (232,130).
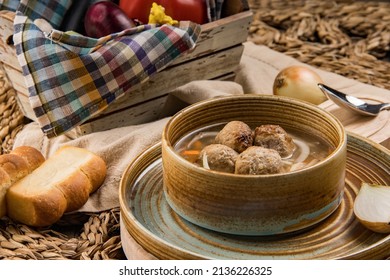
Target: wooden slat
(136,114)
(7,51)
(204,68)
(16,78)
(220,34)
(24,106)
(143,112)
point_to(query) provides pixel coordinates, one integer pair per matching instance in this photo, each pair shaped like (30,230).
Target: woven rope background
(351,38)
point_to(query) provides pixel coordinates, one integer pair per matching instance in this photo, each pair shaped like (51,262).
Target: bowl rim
(188,165)
(128,217)
(354,141)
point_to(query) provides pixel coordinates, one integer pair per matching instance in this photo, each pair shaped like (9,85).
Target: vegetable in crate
(104,18)
(137,9)
(192,10)
(158,16)
(74,17)
(233,7)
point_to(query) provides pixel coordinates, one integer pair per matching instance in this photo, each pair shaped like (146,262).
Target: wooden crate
(216,56)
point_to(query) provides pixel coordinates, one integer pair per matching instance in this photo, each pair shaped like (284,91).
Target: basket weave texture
(350,38)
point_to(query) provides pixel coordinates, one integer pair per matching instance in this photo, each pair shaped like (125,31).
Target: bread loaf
(5,183)
(61,184)
(14,166)
(32,156)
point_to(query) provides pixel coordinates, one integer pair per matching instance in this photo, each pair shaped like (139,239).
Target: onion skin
(104,18)
(299,82)
(74,16)
(376,226)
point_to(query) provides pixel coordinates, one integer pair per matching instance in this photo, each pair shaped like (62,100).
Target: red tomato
(137,9)
(193,10)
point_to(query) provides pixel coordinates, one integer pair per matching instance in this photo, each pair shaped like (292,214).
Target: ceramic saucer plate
(150,221)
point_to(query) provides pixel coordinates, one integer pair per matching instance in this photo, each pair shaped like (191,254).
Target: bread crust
(62,184)
(39,210)
(5,183)
(76,189)
(96,173)
(33,157)
(15,166)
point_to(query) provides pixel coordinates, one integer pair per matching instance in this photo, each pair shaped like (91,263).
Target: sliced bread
(14,166)
(61,184)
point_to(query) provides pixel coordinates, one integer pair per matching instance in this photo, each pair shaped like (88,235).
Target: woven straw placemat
(350,38)
(11,118)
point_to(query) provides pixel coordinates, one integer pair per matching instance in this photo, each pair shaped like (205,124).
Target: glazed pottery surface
(148,219)
(254,204)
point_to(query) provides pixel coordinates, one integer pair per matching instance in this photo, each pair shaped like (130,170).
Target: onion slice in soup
(304,151)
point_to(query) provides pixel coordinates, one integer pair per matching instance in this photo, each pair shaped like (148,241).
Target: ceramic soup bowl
(254,204)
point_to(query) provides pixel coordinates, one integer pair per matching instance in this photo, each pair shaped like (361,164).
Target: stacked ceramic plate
(149,220)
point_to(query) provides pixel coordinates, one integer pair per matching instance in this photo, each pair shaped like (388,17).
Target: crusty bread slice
(33,157)
(61,184)
(14,166)
(5,183)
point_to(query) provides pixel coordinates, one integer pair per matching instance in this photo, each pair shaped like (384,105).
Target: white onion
(304,150)
(297,166)
(205,161)
(299,82)
(372,207)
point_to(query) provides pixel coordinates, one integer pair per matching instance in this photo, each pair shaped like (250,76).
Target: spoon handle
(385,106)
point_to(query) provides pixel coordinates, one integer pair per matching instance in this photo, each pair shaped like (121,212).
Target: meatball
(258,161)
(219,157)
(274,137)
(236,135)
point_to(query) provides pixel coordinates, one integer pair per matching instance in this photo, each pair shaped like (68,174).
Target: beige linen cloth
(257,71)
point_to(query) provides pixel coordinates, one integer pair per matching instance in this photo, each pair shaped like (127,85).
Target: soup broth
(309,149)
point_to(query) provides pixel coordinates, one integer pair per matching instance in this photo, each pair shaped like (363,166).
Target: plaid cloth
(52,11)
(10,5)
(71,78)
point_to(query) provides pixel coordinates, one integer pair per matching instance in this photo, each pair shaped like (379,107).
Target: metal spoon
(354,103)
